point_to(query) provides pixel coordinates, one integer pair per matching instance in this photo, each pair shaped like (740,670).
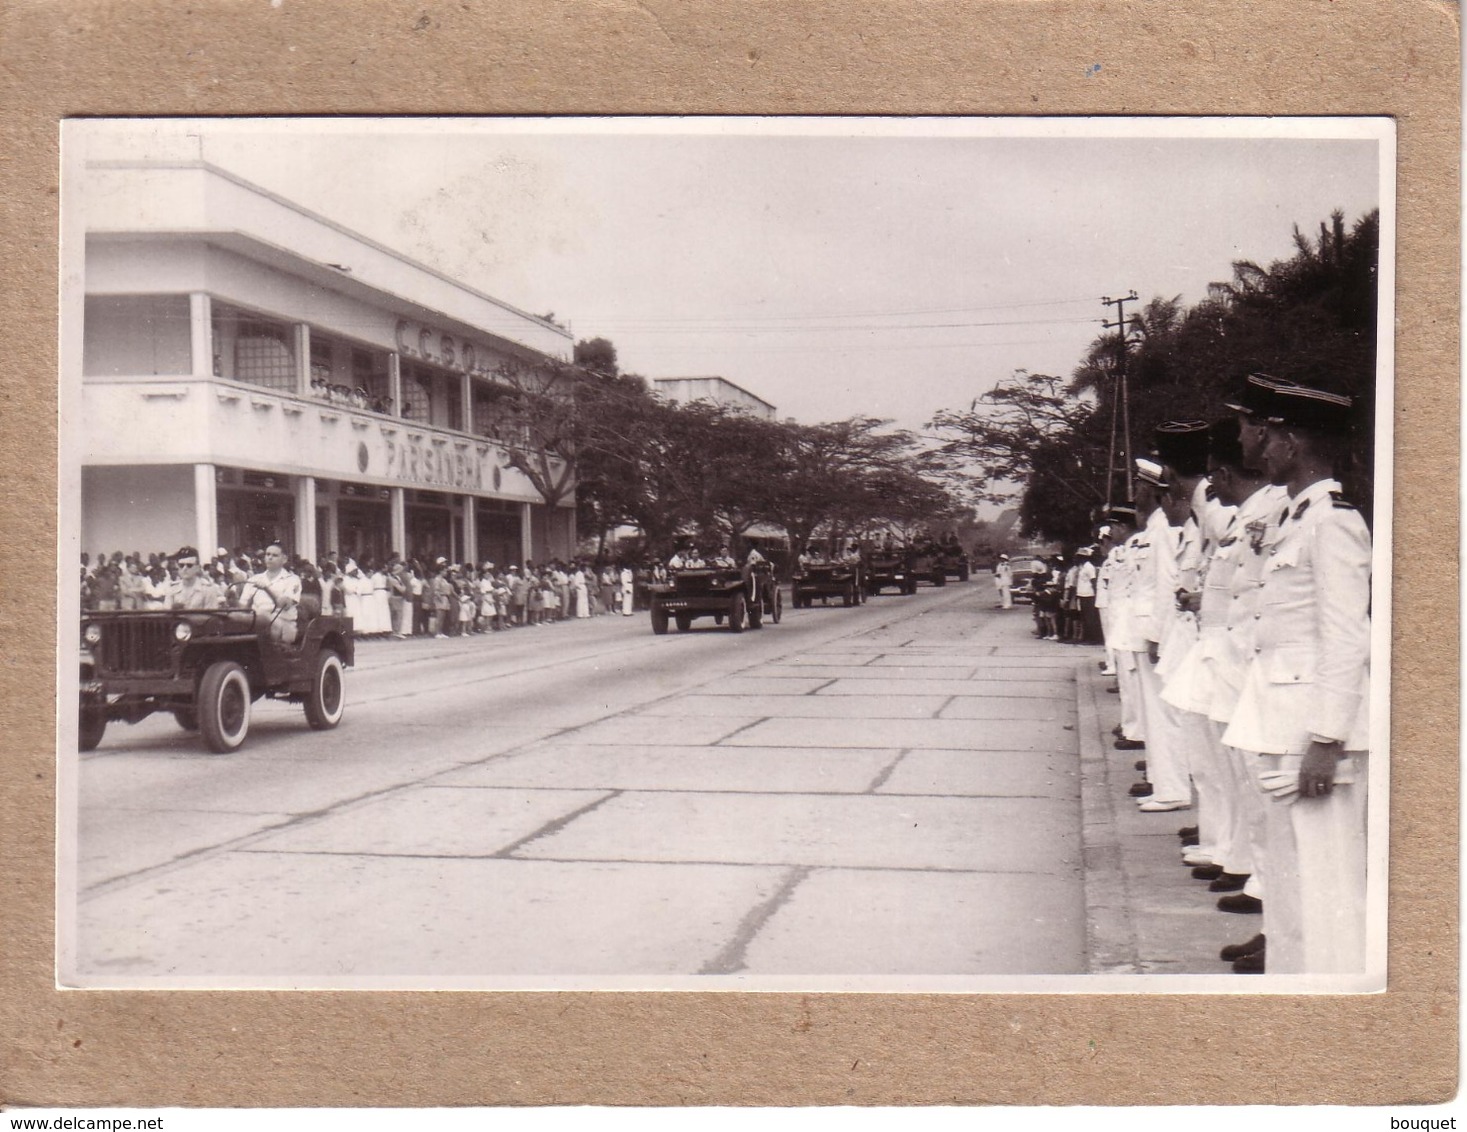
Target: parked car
(1025,571)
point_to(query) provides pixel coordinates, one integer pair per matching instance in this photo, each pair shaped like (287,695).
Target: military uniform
(203,594)
(1306,679)
(1154,586)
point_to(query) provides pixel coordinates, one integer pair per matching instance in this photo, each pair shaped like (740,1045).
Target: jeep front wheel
(93,724)
(326,701)
(659,620)
(737,614)
(224,706)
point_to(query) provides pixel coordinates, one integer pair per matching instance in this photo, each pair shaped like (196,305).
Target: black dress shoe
(1114,690)
(1241,903)
(1124,744)
(1207,872)
(1249,964)
(1116,731)
(1237,950)
(1141,765)
(1140,790)
(1228,882)
(1187,831)
(1188,842)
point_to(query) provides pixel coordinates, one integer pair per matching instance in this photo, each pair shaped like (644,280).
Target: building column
(394,388)
(201,340)
(206,511)
(527,533)
(333,525)
(471,531)
(468,396)
(397,506)
(305,517)
(302,359)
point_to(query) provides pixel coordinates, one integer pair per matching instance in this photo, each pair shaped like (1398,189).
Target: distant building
(719,390)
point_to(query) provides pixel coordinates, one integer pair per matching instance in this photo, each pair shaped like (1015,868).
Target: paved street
(891,790)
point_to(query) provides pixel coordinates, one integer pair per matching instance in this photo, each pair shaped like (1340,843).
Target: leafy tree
(1309,318)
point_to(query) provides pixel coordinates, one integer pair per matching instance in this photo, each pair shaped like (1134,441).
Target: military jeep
(889,568)
(826,580)
(741,598)
(207,667)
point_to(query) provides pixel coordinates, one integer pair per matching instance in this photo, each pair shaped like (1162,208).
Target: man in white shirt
(274,593)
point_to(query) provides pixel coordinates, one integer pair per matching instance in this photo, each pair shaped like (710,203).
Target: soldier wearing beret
(192,589)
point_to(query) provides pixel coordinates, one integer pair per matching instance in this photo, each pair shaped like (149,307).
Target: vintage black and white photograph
(828,554)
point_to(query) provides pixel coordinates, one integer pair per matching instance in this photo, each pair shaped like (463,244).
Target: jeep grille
(136,647)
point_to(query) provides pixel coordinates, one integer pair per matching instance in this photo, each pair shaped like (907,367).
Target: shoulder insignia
(1299,513)
(1341,502)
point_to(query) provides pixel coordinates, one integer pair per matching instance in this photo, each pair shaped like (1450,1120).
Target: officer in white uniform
(1152,599)
(1121,572)
(1303,709)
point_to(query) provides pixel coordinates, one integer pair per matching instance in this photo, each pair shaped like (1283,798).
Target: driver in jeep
(275,593)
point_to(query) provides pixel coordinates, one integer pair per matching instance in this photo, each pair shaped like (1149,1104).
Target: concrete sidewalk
(1146,914)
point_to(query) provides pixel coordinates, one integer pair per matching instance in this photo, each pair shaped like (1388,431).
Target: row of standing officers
(1235,601)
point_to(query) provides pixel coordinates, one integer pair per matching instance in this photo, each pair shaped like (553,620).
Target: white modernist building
(719,390)
(251,371)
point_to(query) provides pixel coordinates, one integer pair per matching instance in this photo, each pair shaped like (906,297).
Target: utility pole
(1120,397)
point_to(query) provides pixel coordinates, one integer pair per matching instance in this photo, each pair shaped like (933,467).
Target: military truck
(207,667)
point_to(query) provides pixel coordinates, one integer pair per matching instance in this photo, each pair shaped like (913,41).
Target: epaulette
(1341,502)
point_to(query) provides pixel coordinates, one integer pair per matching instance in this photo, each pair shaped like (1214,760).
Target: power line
(742,328)
(818,315)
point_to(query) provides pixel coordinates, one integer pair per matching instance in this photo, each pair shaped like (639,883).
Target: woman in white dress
(379,603)
(579,596)
(351,589)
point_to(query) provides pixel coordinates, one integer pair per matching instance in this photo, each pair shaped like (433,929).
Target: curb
(1111,947)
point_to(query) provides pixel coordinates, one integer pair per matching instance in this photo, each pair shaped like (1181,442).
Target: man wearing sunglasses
(192,589)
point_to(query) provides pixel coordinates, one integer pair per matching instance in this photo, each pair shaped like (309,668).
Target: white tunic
(1309,669)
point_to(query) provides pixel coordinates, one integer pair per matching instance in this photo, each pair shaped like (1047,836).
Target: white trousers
(1110,653)
(1166,756)
(1314,916)
(1244,851)
(1212,775)
(626,601)
(1133,724)
(1006,596)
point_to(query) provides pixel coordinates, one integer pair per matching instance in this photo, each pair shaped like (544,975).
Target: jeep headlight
(92,633)
(182,631)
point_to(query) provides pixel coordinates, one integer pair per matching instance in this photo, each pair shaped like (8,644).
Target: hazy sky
(834,274)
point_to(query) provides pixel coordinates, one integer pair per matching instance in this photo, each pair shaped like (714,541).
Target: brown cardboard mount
(906,57)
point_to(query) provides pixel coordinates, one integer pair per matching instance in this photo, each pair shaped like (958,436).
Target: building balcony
(189,420)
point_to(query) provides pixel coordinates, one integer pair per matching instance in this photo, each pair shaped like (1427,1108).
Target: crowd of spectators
(1064,598)
(395,598)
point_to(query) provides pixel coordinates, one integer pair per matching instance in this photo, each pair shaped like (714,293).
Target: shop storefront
(335,397)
